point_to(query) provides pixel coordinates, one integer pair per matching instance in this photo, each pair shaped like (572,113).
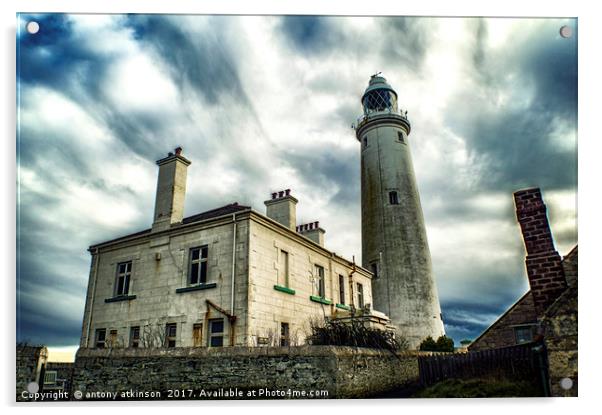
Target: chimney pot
(169,154)
(316,224)
(274,196)
(178,150)
(281,194)
(288,192)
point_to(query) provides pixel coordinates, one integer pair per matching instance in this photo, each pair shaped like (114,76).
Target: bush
(443,344)
(354,333)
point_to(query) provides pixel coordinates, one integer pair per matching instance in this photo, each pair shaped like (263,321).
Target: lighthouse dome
(379,96)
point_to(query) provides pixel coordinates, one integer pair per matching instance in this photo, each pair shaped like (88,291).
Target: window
(170,334)
(341,289)
(50,377)
(320,283)
(197,335)
(113,338)
(283,268)
(197,270)
(400,136)
(523,334)
(101,335)
(124,272)
(134,336)
(284,335)
(393,198)
(216,332)
(365,141)
(374,269)
(360,295)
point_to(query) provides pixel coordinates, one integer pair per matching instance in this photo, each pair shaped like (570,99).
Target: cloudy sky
(263,103)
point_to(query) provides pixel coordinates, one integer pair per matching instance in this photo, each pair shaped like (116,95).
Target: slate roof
(209,214)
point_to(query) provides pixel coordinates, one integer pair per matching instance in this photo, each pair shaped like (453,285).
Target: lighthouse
(394,241)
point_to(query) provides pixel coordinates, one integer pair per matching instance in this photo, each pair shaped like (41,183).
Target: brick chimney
(171,189)
(282,207)
(312,231)
(544,265)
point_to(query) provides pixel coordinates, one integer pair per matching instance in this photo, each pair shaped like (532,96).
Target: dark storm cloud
(467,321)
(327,170)
(514,145)
(312,34)
(404,40)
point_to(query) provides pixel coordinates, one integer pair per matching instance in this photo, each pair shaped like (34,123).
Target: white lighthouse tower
(394,242)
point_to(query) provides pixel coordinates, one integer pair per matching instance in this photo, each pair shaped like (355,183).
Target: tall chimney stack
(544,265)
(282,207)
(171,189)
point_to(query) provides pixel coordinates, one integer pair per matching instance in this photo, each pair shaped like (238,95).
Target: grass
(480,388)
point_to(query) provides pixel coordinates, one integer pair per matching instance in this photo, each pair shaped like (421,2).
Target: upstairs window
(283,278)
(360,295)
(365,141)
(321,286)
(170,334)
(393,198)
(134,336)
(197,270)
(341,289)
(124,272)
(400,137)
(100,338)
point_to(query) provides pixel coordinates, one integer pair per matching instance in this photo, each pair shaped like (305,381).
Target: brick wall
(544,265)
(344,372)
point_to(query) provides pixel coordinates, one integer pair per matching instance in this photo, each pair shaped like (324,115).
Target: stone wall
(29,365)
(560,325)
(343,372)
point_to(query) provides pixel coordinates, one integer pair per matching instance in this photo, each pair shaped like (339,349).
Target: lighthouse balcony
(381,115)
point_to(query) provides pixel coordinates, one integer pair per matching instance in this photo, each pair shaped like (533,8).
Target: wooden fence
(525,361)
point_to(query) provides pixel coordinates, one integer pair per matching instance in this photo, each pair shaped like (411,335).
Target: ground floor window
(216,332)
(134,336)
(100,339)
(523,334)
(197,335)
(170,334)
(284,335)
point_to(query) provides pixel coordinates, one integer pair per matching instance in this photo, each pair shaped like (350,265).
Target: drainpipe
(94,276)
(233,276)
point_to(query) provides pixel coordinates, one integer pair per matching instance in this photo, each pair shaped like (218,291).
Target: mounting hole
(33,387)
(566,31)
(566,383)
(32,27)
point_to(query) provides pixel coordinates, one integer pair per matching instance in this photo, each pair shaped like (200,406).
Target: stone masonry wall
(560,325)
(29,363)
(343,372)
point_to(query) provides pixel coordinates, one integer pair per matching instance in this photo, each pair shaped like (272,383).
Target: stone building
(30,365)
(226,277)
(394,241)
(548,310)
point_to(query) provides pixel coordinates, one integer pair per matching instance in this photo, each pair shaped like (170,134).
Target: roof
(214,213)
(571,256)
(209,214)
(521,300)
